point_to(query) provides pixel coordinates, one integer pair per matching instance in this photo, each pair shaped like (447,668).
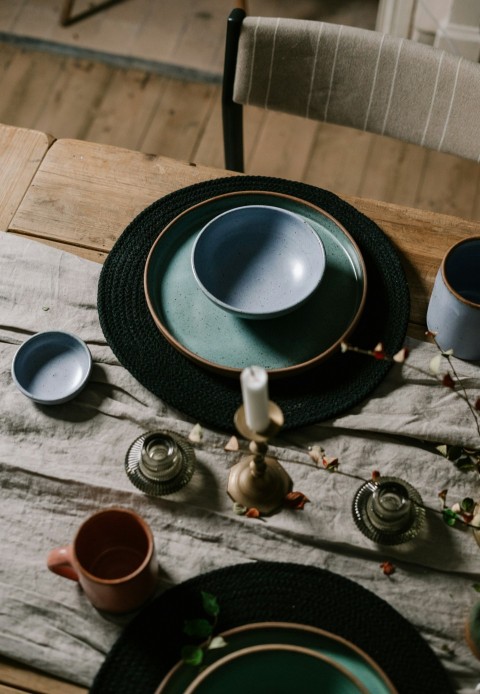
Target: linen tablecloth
(61,463)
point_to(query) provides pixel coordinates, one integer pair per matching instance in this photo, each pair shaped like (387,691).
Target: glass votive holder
(160,462)
(389,511)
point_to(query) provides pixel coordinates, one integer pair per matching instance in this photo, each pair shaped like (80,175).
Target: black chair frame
(232,113)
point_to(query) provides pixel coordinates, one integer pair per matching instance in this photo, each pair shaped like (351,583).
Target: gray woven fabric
(362,79)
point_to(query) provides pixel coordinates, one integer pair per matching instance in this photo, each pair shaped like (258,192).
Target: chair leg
(65,12)
(232,113)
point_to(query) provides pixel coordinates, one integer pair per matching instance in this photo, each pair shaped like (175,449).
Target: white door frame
(395,17)
(449,24)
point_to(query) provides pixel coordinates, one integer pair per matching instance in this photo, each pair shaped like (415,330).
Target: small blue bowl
(51,367)
(258,261)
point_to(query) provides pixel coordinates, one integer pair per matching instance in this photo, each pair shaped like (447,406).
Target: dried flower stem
(351,475)
(462,393)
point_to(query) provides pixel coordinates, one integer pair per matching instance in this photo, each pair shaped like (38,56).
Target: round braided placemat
(269,591)
(319,393)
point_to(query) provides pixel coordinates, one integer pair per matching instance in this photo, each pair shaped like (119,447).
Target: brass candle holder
(258,480)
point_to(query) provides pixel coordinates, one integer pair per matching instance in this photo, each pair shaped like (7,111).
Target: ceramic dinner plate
(275,668)
(225,343)
(343,654)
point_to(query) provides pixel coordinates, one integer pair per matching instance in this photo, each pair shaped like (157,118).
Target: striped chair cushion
(362,79)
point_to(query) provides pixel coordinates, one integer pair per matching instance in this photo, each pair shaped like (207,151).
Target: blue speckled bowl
(51,367)
(258,261)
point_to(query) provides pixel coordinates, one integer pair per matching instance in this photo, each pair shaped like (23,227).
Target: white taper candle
(254,384)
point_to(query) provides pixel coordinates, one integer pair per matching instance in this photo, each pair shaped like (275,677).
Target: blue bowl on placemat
(258,261)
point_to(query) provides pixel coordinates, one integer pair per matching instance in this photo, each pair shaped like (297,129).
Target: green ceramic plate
(335,648)
(227,344)
(275,668)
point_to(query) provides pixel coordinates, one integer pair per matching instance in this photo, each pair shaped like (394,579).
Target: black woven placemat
(269,591)
(320,393)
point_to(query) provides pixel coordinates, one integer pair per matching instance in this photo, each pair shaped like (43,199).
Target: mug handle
(59,561)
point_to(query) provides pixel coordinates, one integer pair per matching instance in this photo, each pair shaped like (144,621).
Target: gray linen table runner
(61,463)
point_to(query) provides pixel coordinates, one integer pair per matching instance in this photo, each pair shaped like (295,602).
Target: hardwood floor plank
(279,150)
(73,102)
(202,21)
(36,18)
(253,126)
(406,172)
(9,12)
(182,111)
(185,32)
(158,29)
(337,160)
(126,109)
(392,171)
(7,54)
(116,25)
(449,184)
(209,149)
(25,87)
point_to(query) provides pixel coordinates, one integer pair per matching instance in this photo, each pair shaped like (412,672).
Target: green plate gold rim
(277,668)
(225,343)
(338,649)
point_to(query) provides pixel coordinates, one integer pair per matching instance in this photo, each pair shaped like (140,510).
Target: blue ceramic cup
(454,307)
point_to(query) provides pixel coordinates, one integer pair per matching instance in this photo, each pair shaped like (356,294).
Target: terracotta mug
(454,307)
(113,558)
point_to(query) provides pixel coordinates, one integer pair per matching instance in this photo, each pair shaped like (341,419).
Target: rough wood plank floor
(184,33)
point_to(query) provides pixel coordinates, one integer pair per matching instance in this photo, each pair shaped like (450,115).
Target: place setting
(169,324)
(270,624)
(265,273)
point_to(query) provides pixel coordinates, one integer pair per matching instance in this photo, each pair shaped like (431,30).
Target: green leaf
(192,655)
(476,586)
(197,627)
(217,642)
(464,463)
(467,505)
(210,604)
(454,452)
(449,516)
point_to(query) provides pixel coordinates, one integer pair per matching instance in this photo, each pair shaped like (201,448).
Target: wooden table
(80,196)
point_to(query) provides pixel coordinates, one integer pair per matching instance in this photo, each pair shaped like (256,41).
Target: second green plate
(342,653)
